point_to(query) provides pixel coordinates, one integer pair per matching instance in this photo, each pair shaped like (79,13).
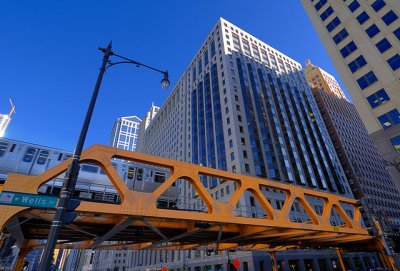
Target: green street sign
(28,200)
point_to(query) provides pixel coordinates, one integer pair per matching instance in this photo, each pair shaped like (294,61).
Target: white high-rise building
(242,106)
(146,122)
(125,133)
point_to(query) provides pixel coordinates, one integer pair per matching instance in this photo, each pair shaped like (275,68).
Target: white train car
(93,184)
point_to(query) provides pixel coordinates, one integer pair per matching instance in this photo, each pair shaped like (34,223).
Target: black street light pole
(73,170)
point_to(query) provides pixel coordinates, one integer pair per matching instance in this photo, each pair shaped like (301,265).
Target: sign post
(28,200)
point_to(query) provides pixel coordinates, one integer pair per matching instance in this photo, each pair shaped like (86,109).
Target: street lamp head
(165,81)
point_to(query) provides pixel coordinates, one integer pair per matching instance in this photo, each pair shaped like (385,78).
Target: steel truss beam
(156,228)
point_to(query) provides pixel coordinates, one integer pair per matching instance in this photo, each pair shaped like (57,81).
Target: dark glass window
(3,148)
(159,177)
(372,30)
(383,45)
(320,4)
(394,62)
(357,64)
(212,48)
(139,175)
(194,73)
(200,65)
(389,17)
(378,4)
(397,33)
(367,80)
(12,147)
(390,119)
(89,168)
(29,154)
(206,58)
(348,49)
(42,158)
(131,172)
(354,6)
(324,15)
(396,143)
(363,17)
(378,98)
(340,36)
(333,24)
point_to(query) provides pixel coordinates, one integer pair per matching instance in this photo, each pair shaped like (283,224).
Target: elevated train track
(138,223)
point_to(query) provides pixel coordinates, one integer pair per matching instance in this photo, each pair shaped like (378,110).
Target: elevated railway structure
(137,221)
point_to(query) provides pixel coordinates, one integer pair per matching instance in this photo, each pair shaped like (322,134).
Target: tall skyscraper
(125,132)
(245,107)
(362,40)
(363,166)
(146,122)
(242,106)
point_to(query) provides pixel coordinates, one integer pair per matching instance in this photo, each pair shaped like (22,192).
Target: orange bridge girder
(137,222)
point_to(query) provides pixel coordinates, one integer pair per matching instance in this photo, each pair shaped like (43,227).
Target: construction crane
(5,119)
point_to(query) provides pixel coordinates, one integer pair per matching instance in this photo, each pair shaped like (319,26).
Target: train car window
(29,154)
(89,168)
(13,147)
(42,158)
(139,175)
(59,157)
(131,173)
(3,147)
(159,177)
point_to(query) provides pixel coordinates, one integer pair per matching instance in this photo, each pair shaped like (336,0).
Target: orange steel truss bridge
(138,223)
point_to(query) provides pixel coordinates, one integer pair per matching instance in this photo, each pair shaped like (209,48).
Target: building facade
(363,166)
(242,106)
(125,133)
(363,41)
(146,122)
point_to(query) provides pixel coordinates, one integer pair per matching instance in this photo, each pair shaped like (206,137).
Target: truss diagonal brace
(148,224)
(16,232)
(116,229)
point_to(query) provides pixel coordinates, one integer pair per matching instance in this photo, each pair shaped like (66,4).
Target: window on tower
(389,17)
(372,30)
(354,6)
(348,49)
(363,17)
(367,80)
(378,98)
(357,64)
(378,4)
(383,45)
(341,35)
(333,24)
(394,62)
(390,119)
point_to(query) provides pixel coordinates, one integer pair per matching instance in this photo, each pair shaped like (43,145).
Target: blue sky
(50,59)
